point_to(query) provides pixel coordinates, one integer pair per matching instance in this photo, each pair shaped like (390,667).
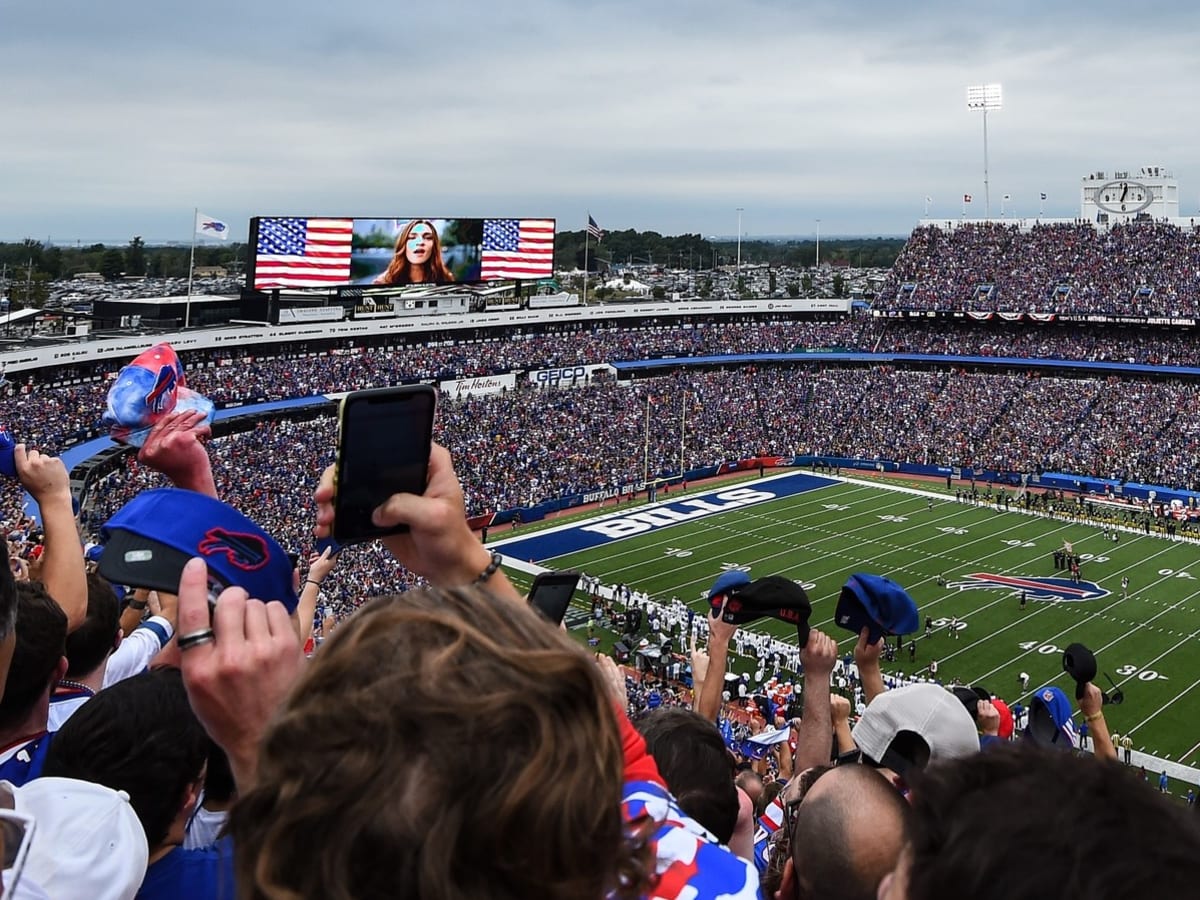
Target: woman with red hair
(418,257)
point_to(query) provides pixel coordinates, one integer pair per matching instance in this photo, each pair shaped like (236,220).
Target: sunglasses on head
(16,837)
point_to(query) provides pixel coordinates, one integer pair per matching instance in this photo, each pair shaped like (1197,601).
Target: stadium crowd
(1138,269)
(397,721)
(180,743)
(58,409)
(520,448)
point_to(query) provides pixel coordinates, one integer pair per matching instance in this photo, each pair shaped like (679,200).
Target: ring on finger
(196,638)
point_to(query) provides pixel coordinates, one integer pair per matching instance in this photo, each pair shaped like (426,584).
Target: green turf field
(1149,642)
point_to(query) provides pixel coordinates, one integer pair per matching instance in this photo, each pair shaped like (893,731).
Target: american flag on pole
(302,252)
(966,198)
(517,248)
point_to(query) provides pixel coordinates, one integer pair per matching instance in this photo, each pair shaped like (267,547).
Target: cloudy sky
(120,117)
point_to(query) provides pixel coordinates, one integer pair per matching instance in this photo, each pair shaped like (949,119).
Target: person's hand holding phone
(321,564)
(439,544)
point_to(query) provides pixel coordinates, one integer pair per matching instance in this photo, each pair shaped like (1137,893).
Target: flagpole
(646,454)
(587,233)
(187,309)
(682,432)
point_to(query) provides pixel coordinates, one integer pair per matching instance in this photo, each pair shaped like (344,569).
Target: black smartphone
(552,592)
(384,437)
(327,543)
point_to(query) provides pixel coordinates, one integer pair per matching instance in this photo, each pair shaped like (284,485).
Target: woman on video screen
(418,257)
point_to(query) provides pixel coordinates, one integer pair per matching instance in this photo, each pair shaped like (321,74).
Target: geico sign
(569,373)
(636,523)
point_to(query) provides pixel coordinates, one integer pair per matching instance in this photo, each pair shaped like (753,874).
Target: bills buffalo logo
(164,388)
(246,551)
(218,227)
(1058,590)
(733,606)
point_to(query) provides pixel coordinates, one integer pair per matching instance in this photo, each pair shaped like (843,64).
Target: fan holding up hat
(873,607)
(735,599)
(1050,722)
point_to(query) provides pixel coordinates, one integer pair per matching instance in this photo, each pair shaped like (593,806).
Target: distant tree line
(691,251)
(33,263)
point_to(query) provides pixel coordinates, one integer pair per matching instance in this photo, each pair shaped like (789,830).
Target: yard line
(1110,644)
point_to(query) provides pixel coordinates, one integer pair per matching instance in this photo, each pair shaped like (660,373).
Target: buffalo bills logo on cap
(147,390)
(162,395)
(1048,695)
(246,551)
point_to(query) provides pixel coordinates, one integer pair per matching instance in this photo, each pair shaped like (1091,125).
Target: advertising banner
(482,384)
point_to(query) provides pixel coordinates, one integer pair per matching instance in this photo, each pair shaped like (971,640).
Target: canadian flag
(966,198)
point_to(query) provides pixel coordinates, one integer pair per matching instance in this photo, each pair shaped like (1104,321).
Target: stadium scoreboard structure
(308,252)
(1112,198)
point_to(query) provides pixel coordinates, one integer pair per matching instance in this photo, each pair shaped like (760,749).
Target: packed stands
(1141,269)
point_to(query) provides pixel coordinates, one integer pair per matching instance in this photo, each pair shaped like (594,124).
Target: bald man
(849,832)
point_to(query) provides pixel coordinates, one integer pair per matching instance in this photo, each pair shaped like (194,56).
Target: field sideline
(1148,642)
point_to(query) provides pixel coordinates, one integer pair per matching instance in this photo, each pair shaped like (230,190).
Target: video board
(310,252)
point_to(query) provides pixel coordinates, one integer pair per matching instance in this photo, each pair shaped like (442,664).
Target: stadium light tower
(984,97)
(739,252)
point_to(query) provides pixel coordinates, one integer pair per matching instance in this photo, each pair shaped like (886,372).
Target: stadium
(1009,430)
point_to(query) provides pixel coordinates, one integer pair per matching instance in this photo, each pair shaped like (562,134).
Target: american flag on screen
(517,248)
(302,252)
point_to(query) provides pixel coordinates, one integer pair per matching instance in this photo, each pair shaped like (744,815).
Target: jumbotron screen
(299,252)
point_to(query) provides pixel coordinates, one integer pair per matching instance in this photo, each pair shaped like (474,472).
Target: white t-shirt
(127,660)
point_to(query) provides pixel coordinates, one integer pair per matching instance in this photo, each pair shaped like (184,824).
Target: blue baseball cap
(726,584)
(877,603)
(149,540)
(1050,722)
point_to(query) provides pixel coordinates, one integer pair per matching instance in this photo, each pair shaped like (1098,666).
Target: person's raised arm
(135,610)
(439,544)
(175,447)
(840,710)
(319,567)
(816,725)
(238,670)
(62,568)
(866,657)
(720,633)
(987,718)
(699,672)
(1091,704)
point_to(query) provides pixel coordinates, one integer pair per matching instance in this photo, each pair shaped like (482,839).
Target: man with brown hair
(38,662)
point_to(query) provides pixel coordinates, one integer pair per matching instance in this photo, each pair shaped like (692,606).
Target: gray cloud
(121,117)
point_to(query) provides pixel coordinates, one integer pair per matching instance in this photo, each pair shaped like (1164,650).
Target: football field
(1147,641)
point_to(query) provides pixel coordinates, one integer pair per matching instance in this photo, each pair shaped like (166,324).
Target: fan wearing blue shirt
(38,662)
(141,736)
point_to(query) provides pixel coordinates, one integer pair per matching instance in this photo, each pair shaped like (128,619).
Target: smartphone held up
(384,439)
(552,592)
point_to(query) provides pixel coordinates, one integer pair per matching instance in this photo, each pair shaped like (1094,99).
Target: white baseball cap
(89,843)
(926,710)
